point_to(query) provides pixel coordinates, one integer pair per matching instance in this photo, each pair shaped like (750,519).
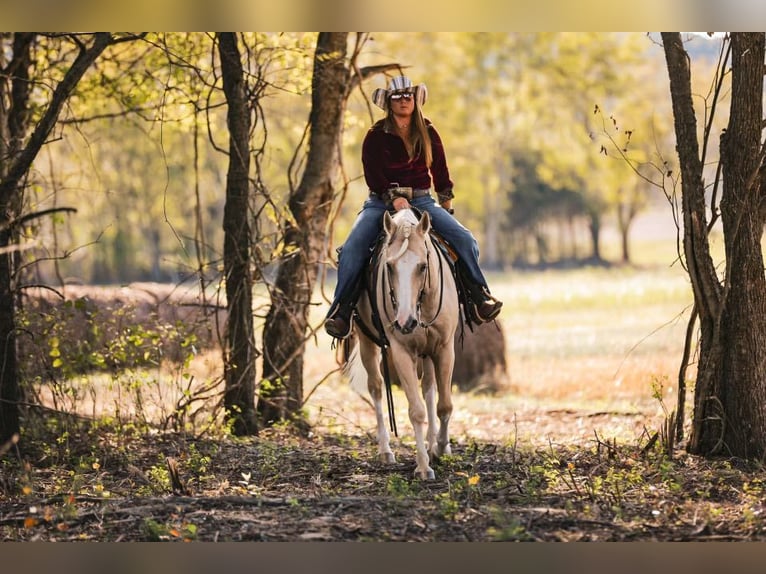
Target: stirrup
(338,331)
(491,316)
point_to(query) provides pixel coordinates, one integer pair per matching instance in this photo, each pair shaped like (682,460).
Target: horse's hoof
(387,458)
(428,474)
(437,452)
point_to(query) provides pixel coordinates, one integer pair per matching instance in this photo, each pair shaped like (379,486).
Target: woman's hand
(400,203)
(448,205)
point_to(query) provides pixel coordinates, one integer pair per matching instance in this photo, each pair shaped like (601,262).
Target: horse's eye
(422,267)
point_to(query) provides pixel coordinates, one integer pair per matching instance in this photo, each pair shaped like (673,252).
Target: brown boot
(485,307)
(488,309)
(339,324)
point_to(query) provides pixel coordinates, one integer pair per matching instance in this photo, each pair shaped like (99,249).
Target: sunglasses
(402,95)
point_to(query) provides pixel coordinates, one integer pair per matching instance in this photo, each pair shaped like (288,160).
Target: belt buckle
(398,191)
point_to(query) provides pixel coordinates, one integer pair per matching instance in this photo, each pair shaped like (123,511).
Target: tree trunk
(624,241)
(742,392)
(705,286)
(240,352)
(17,158)
(12,129)
(572,227)
(626,214)
(594,227)
(492,222)
(9,383)
(730,387)
(287,321)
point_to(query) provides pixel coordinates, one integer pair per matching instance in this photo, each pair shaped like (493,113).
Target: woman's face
(402,102)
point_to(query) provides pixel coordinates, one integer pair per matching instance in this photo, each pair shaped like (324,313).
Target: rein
(382,341)
(376,287)
(441,284)
(392,294)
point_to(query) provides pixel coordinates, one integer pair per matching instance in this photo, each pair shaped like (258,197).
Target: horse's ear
(424,226)
(388,223)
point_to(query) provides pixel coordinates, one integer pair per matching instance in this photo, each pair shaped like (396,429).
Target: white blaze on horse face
(405,264)
(407,288)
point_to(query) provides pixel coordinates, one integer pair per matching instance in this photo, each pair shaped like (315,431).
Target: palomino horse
(416,303)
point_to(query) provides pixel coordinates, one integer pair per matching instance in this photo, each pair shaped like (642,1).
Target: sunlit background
(561,148)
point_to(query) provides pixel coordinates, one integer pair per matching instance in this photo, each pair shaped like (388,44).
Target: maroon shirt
(386,162)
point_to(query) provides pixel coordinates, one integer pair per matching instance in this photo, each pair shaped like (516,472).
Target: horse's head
(406,265)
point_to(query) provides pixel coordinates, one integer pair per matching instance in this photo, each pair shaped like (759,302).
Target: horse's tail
(354,369)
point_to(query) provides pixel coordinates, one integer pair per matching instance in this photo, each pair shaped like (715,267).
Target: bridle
(380,337)
(426,281)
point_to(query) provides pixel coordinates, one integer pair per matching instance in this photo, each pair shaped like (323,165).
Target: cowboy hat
(381,96)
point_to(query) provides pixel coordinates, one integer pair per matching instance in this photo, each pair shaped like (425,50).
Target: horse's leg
(408,376)
(444,364)
(429,394)
(370,356)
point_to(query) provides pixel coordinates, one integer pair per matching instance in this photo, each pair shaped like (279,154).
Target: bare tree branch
(23,161)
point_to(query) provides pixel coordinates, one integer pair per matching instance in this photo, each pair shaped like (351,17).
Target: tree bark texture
(240,352)
(729,391)
(288,318)
(743,319)
(16,158)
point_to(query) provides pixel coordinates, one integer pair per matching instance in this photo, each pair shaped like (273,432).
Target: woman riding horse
(401,154)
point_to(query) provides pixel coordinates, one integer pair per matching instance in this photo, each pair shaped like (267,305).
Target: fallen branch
(173,504)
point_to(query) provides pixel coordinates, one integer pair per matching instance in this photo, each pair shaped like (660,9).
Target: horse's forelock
(402,249)
(405,222)
(405,216)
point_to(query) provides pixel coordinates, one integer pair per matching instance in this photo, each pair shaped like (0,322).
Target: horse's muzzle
(408,327)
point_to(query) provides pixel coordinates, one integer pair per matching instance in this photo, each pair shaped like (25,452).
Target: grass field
(587,350)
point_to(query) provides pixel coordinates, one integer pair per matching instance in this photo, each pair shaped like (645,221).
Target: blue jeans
(368,225)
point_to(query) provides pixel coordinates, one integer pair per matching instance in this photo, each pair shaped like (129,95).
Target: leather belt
(408,193)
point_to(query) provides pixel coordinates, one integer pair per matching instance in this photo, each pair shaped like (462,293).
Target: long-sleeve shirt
(386,162)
